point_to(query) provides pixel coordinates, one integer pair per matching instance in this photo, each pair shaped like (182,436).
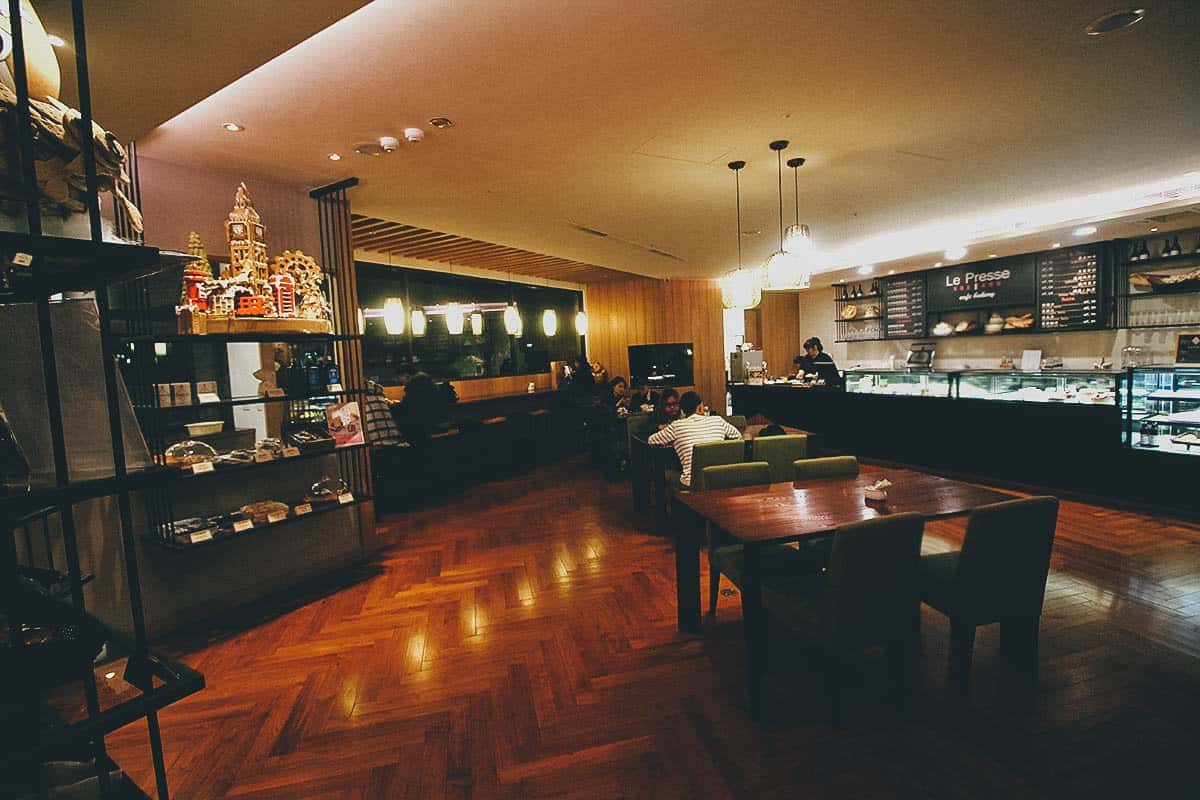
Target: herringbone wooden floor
(521,643)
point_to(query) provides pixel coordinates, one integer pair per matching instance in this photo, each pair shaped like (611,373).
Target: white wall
(1078,350)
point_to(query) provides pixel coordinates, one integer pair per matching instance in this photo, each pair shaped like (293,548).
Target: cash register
(920,356)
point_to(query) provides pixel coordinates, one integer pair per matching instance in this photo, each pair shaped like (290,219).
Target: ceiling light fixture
(1154,229)
(1056,244)
(955,253)
(740,288)
(581,323)
(476,323)
(1115,21)
(1085,230)
(418,322)
(55,40)
(512,320)
(991,255)
(454,319)
(550,322)
(866,269)
(393,316)
(233,127)
(335,156)
(441,123)
(937,263)
(786,267)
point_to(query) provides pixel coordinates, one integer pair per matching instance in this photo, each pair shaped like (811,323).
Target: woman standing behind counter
(816,361)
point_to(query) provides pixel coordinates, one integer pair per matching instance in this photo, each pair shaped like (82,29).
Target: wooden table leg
(754,629)
(687,570)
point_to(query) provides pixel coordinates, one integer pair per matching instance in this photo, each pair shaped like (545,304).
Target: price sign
(201,467)
(262,456)
(243,525)
(201,536)
(302,509)
(276,391)
(276,516)
(345,497)
(291,451)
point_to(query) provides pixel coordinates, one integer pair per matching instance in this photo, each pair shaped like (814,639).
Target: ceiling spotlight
(891,272)
(1154,229)
(1085,230)
(955,253)
(335,156)
(866,269)
(1115,21)
(1057,244)
(441,123)
(233,127)
(937,263)
(991,255)
(55,40)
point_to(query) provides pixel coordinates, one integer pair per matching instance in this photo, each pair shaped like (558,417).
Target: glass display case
(1088,387)
(915,383)
(1161,409)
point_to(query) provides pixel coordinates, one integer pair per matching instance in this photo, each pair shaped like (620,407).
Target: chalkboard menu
(904,307)
(1069,289)
(983,284)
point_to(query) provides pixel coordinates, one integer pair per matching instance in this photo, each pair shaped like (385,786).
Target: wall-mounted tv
(661,364)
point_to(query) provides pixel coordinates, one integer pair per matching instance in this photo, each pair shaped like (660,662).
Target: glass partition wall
(484,348)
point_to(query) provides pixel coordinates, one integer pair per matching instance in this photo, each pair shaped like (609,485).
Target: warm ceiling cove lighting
(1115,21)
(393,316)
(955,253)
(55,40)
(581,323)
(1085,230)
(233,127)
(549,322)
(512,320)
(476,323)
(866,269)
(418,322)
(454,319)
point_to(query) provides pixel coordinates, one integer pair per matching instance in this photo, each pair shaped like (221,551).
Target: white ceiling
(621,116)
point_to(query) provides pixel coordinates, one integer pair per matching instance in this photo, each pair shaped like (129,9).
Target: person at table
(696,427)
(618,396)
(666,410)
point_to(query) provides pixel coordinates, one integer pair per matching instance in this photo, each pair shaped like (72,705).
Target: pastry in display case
(326,490)
(1086,387)
(189,453)
(1161,408)
(252,294)
(923,383)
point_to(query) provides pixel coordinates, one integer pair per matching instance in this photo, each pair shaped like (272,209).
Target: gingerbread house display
(253,294)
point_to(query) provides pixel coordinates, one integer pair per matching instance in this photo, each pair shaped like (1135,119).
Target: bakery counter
(1071,446)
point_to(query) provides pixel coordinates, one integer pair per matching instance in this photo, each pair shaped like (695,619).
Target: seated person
(642,397)
(617,396)
(696,427)
(666,410)
(378,422)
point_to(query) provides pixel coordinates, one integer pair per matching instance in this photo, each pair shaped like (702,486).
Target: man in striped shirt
(693,429)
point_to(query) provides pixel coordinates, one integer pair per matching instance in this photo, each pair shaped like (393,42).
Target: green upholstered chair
(712,454)
(736,420)
(730,559)
(998,576)
(781,452)
(809,469)
(867,597)
(640,426)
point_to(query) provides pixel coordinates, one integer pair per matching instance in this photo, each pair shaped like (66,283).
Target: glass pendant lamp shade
(454,319)
(418,322)
(512,320)
(741,288)
(393,316)
(476,324)
(581,323)
(549,322)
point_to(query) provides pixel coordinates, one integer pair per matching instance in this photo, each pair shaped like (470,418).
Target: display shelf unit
(33,267)
(863,326)
(1160,409)
(254,466)
(1141,308)
(234,402)
(219,537)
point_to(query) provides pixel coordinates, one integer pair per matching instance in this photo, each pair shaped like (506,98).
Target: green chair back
(639,425)
(712,454)
(731,476)
(736,420)
(809,469)
(872,591)
(781,452)
(1005,559)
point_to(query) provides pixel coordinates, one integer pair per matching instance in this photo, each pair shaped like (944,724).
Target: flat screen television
(657,365)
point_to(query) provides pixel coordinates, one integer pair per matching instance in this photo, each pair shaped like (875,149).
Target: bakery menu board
(983,284)
(1069,289)
(904,307)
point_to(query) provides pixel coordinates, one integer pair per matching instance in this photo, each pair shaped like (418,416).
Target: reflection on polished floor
(522,643)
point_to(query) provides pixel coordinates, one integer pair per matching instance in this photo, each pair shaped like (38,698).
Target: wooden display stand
(193,323)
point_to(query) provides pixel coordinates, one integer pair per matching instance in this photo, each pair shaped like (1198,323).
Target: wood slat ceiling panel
(394,238)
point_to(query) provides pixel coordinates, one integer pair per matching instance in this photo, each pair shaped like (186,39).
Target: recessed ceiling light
(937,263)
(866,269)
(441,122)
(991,255)
(233,127)
(1154,229)
(955,253)
(1057,244)
(335,156)
(1115,21)
(110,675)
(1085,230)
(55,40)
(891,272)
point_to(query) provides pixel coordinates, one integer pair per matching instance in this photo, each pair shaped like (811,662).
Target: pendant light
(778,266)
(740,288)
(512,320)
(581,323)
(418,322)
(550,322)
(476,323)
(454,319)
(797,240)
(393,316)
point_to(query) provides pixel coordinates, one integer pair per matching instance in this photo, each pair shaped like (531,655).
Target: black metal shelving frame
(34,268)
(1126,268)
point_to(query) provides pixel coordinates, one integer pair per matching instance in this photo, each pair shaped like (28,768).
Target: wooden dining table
(776,513)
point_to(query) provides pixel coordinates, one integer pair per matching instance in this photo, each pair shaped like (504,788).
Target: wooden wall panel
(779,330)
(647,311)
(487,388)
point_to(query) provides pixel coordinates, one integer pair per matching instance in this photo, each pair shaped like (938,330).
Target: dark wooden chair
(998,576)
(868,597)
